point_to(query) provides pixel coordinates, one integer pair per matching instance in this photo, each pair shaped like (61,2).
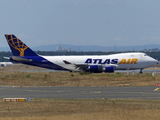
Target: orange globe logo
(16,44)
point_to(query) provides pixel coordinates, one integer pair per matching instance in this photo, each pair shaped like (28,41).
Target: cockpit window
(145,55)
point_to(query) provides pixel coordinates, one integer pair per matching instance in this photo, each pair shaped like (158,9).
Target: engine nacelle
(99,69)
(95,68)
(109,69)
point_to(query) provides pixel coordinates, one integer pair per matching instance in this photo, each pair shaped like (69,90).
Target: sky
(81,22)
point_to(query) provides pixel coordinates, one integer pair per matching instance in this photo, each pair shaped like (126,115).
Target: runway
(137,93)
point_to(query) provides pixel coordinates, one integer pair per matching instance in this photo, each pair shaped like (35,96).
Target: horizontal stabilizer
(20,59)
(6,58)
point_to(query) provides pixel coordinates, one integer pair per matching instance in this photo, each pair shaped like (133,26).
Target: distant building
(60,49)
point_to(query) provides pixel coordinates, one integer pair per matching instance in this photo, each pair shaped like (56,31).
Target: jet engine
(99,69)
(109,69)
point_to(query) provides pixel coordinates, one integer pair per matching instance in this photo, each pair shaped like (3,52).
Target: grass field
(16,78)
(77,109)
(88,109)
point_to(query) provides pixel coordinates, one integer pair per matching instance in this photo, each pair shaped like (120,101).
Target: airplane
(86,63)
(3,64)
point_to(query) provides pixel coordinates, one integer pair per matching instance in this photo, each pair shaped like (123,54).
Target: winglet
(18,47)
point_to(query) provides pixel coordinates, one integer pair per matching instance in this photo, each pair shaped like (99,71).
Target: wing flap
(77,66)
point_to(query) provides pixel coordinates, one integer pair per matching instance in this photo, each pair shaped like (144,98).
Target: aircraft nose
(153,61)
(158,62)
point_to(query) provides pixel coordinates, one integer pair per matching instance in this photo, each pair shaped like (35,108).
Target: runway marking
(156,89)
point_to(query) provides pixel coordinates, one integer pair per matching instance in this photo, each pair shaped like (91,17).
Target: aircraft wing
(77,66)
(93,68)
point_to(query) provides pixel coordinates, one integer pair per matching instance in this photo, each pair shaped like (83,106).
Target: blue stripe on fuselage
(40,62)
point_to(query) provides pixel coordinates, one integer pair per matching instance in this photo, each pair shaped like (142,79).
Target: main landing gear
(141,71)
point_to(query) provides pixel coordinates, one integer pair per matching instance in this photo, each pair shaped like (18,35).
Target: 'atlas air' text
(111,61)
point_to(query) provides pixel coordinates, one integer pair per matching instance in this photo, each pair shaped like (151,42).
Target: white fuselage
(122,61)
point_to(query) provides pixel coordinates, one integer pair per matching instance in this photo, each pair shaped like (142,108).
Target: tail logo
(16,44)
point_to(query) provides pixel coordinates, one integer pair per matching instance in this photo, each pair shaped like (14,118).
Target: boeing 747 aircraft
(87,63)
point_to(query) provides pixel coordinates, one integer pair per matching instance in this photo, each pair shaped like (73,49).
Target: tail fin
(18,47)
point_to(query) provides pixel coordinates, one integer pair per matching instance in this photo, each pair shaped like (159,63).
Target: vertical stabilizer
(18,47)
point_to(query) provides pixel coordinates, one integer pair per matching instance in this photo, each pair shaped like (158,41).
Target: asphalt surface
(137,93)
